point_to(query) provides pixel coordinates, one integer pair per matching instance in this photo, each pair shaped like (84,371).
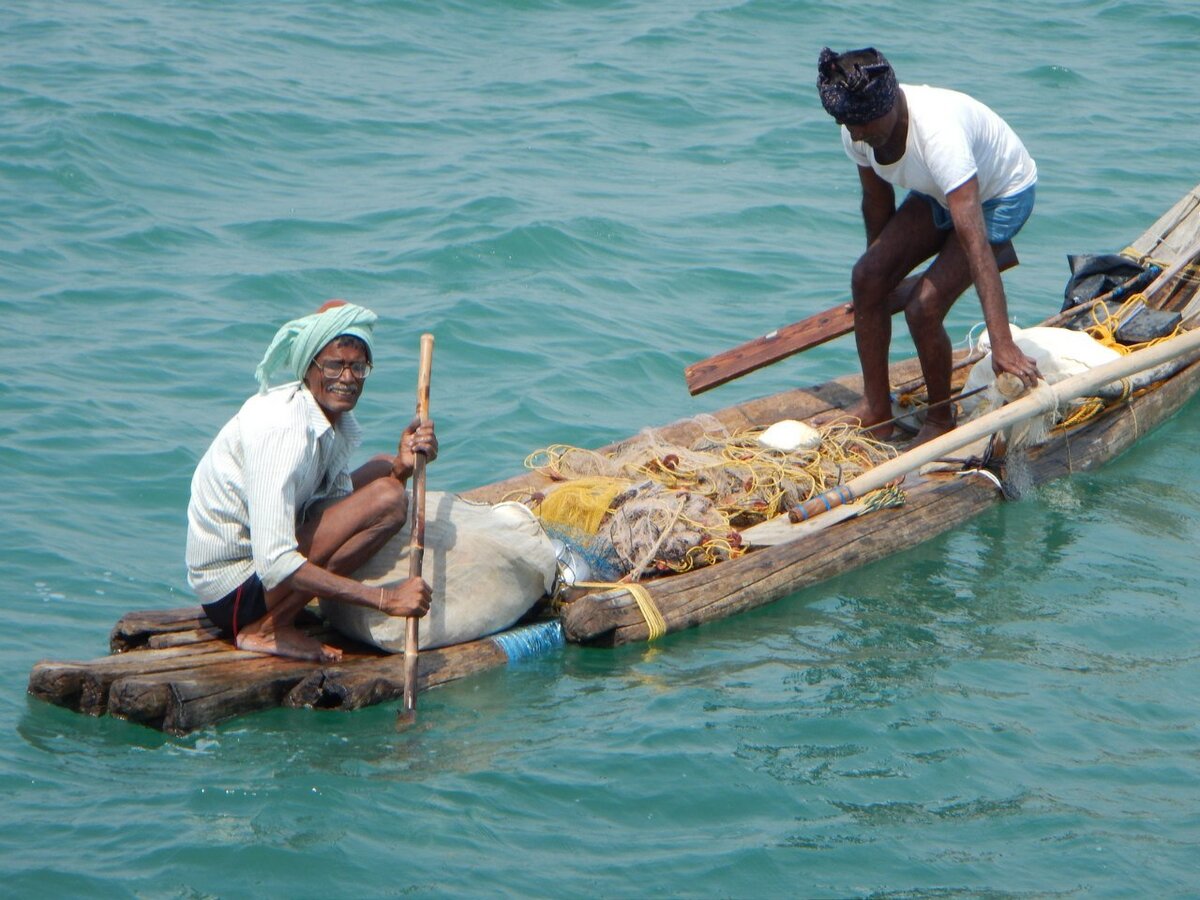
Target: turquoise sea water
(578,199)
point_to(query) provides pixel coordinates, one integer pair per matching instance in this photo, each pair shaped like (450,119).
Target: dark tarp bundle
(1096,274)
(1118,277)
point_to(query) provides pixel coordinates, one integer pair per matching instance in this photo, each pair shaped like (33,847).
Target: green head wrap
(297,343)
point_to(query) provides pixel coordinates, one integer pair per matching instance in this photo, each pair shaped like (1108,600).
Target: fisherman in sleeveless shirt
(276,517)
(970,184)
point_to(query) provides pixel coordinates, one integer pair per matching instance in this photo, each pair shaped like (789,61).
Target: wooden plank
(772,347)
(795,338)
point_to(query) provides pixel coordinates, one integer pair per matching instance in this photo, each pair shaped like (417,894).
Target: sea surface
(578,199)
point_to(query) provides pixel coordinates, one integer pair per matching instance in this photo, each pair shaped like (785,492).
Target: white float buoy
(789,435)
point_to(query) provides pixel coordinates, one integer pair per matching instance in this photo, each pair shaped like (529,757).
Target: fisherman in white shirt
(971,186)
(276,517)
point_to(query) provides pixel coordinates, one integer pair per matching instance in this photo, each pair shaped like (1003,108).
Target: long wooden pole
(1040,400)
(416,545)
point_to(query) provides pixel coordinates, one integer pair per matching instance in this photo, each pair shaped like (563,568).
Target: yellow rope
(650,612)
(1142,259)
(1104,329)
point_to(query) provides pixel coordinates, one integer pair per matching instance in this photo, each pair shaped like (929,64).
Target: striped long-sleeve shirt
(269,463)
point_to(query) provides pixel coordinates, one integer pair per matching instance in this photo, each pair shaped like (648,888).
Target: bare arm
(966,211)
(878,202)
(416,438)
(409,598)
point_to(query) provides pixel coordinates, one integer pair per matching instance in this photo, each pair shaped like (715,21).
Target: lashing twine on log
(645,603)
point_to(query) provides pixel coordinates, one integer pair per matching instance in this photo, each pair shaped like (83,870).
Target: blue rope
(531,640)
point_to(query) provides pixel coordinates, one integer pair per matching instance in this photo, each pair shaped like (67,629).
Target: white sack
(487,566)
(1059,352)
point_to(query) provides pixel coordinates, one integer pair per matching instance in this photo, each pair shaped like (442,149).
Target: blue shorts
(1003,216)
(244,604)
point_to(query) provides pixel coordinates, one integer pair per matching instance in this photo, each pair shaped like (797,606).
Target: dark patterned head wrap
(856,87)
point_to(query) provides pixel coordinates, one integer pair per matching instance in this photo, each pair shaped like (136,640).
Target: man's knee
(927,308)
(389,504)
(921,312)
(869,285)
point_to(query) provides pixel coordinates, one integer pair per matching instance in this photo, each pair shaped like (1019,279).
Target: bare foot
(287,642)
(861,416)
(931,430)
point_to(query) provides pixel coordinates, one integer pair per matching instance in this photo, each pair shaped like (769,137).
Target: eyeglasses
(333,368)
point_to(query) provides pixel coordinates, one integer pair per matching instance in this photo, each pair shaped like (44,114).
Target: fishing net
(650,505)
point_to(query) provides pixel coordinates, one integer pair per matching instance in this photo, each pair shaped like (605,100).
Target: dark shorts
(1003,216)
(237,609)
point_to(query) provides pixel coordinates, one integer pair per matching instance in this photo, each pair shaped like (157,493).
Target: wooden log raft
(169,671)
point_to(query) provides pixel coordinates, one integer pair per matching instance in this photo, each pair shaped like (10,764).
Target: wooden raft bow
(1042,399)
(416,551)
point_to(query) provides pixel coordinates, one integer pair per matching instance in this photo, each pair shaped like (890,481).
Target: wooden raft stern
(170,671)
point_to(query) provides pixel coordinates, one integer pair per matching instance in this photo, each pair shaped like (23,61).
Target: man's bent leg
(339,537)
(929,302)
(878,287)
(342,536)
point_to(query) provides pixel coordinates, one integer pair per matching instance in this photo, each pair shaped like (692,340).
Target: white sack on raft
(1059,352)
(487,566)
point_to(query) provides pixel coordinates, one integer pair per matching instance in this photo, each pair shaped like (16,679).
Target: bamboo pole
(1044,398)
(416,552)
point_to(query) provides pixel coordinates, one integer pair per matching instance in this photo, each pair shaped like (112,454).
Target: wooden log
(369,681)
(764,576)
(196,658)
(197,703)
(134,629)
(1101,440)
(173,627)
(183,638)
(183,700)
(61,682)
(1174,230)
(1043,399)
